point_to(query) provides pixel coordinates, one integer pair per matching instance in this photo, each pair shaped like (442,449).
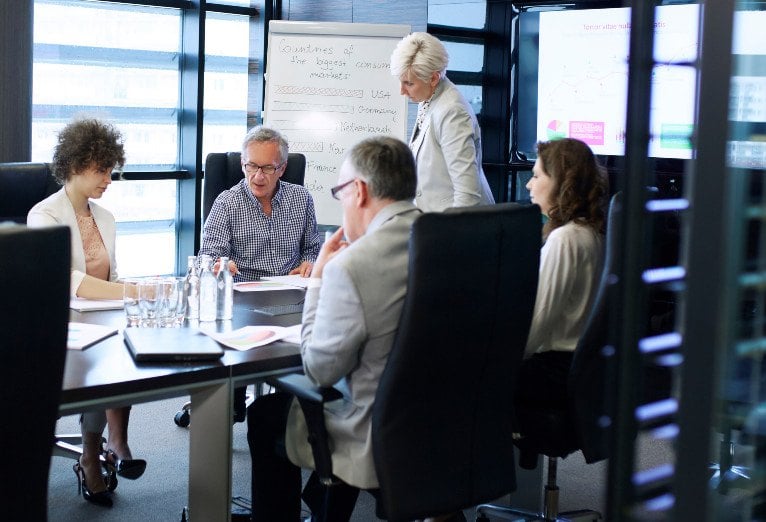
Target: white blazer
(447,151)
(56,209)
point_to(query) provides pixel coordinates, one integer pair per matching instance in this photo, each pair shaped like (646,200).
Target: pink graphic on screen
(590,132)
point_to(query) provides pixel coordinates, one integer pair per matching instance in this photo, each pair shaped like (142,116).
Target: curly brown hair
(580,185)
(85,143)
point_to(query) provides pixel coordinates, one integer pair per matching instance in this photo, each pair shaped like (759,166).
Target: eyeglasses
(268,170)
(337,188)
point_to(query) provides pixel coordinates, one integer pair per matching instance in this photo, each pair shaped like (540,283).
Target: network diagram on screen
(582,82)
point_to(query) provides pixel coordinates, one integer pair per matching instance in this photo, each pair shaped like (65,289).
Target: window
(232,96)
(125,64)
(458,13)
(118,63)
(459,25)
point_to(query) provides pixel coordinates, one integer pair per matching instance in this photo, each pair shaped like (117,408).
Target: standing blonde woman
(86,153)
(446,141)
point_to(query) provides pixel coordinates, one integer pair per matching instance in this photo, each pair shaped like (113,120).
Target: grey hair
(260,134)
(421,53)
(387,166)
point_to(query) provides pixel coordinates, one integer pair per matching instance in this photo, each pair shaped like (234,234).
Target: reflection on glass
(472,94)
(739,453)
(458,13)
(465,57)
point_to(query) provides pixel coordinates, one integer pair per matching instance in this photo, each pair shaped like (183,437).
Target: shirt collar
(276,200)
(388,212)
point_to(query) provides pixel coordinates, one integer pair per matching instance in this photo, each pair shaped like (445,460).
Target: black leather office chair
(34,313)
(558,433)
(442,417)
(223,170)
(21,186)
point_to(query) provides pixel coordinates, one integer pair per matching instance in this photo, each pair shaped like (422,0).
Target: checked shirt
(262,245)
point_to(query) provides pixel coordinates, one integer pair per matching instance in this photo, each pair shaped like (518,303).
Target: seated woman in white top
(571,189)
(87,152)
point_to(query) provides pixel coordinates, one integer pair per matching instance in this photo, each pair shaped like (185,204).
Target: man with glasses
(265,226)
(350,318)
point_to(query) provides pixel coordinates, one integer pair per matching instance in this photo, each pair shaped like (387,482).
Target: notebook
(170,344)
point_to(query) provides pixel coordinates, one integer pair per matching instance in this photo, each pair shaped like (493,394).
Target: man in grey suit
(350,318)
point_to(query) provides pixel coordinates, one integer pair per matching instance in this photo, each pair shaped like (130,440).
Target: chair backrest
(588,376)
(22,185)
(34,312)
(223,170)
(441,424)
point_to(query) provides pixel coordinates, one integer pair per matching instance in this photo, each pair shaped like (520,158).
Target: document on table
(89,305)
(291,280)
(83,335)
(249,337)
(261,286)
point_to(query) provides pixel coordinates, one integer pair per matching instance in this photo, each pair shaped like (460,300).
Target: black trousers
(542,380)
(276,482)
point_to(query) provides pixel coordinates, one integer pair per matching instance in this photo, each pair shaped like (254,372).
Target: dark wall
(16,80)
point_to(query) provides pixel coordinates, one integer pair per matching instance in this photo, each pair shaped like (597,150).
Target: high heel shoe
(127,468)
(110,476)
(102,498)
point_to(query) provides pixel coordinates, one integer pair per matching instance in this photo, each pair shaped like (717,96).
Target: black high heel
(110,476)
(126,468)
(102,498)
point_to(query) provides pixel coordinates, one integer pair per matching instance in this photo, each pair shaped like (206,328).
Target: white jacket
(447,152)
(56,209)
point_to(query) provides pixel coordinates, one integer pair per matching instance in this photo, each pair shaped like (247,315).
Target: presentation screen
(573,79)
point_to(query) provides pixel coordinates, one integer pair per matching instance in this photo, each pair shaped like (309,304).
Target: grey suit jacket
(349,324)
(56,209)
(447,151)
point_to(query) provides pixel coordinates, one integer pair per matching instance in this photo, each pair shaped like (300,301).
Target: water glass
(130,300)
(181,299)
(148,293)
(170,298)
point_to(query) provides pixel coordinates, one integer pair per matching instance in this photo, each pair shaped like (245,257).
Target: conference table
(105,375)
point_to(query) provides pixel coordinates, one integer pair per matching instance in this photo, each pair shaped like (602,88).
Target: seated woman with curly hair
(86,153)
(571,189)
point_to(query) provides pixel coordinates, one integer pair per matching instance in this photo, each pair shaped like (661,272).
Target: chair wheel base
(182,418)
(509,513)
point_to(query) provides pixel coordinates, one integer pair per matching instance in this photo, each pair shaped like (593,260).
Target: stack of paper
(288,282)
(88,305)
(249,337)
(82,335)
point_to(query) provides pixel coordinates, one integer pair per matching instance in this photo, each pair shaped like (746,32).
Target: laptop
(170,345)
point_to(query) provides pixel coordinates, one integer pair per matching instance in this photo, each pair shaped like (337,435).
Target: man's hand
(304,269)
(330,249)
(232,267)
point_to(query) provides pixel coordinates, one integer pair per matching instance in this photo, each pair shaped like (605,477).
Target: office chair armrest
(300,386)
(311,399)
